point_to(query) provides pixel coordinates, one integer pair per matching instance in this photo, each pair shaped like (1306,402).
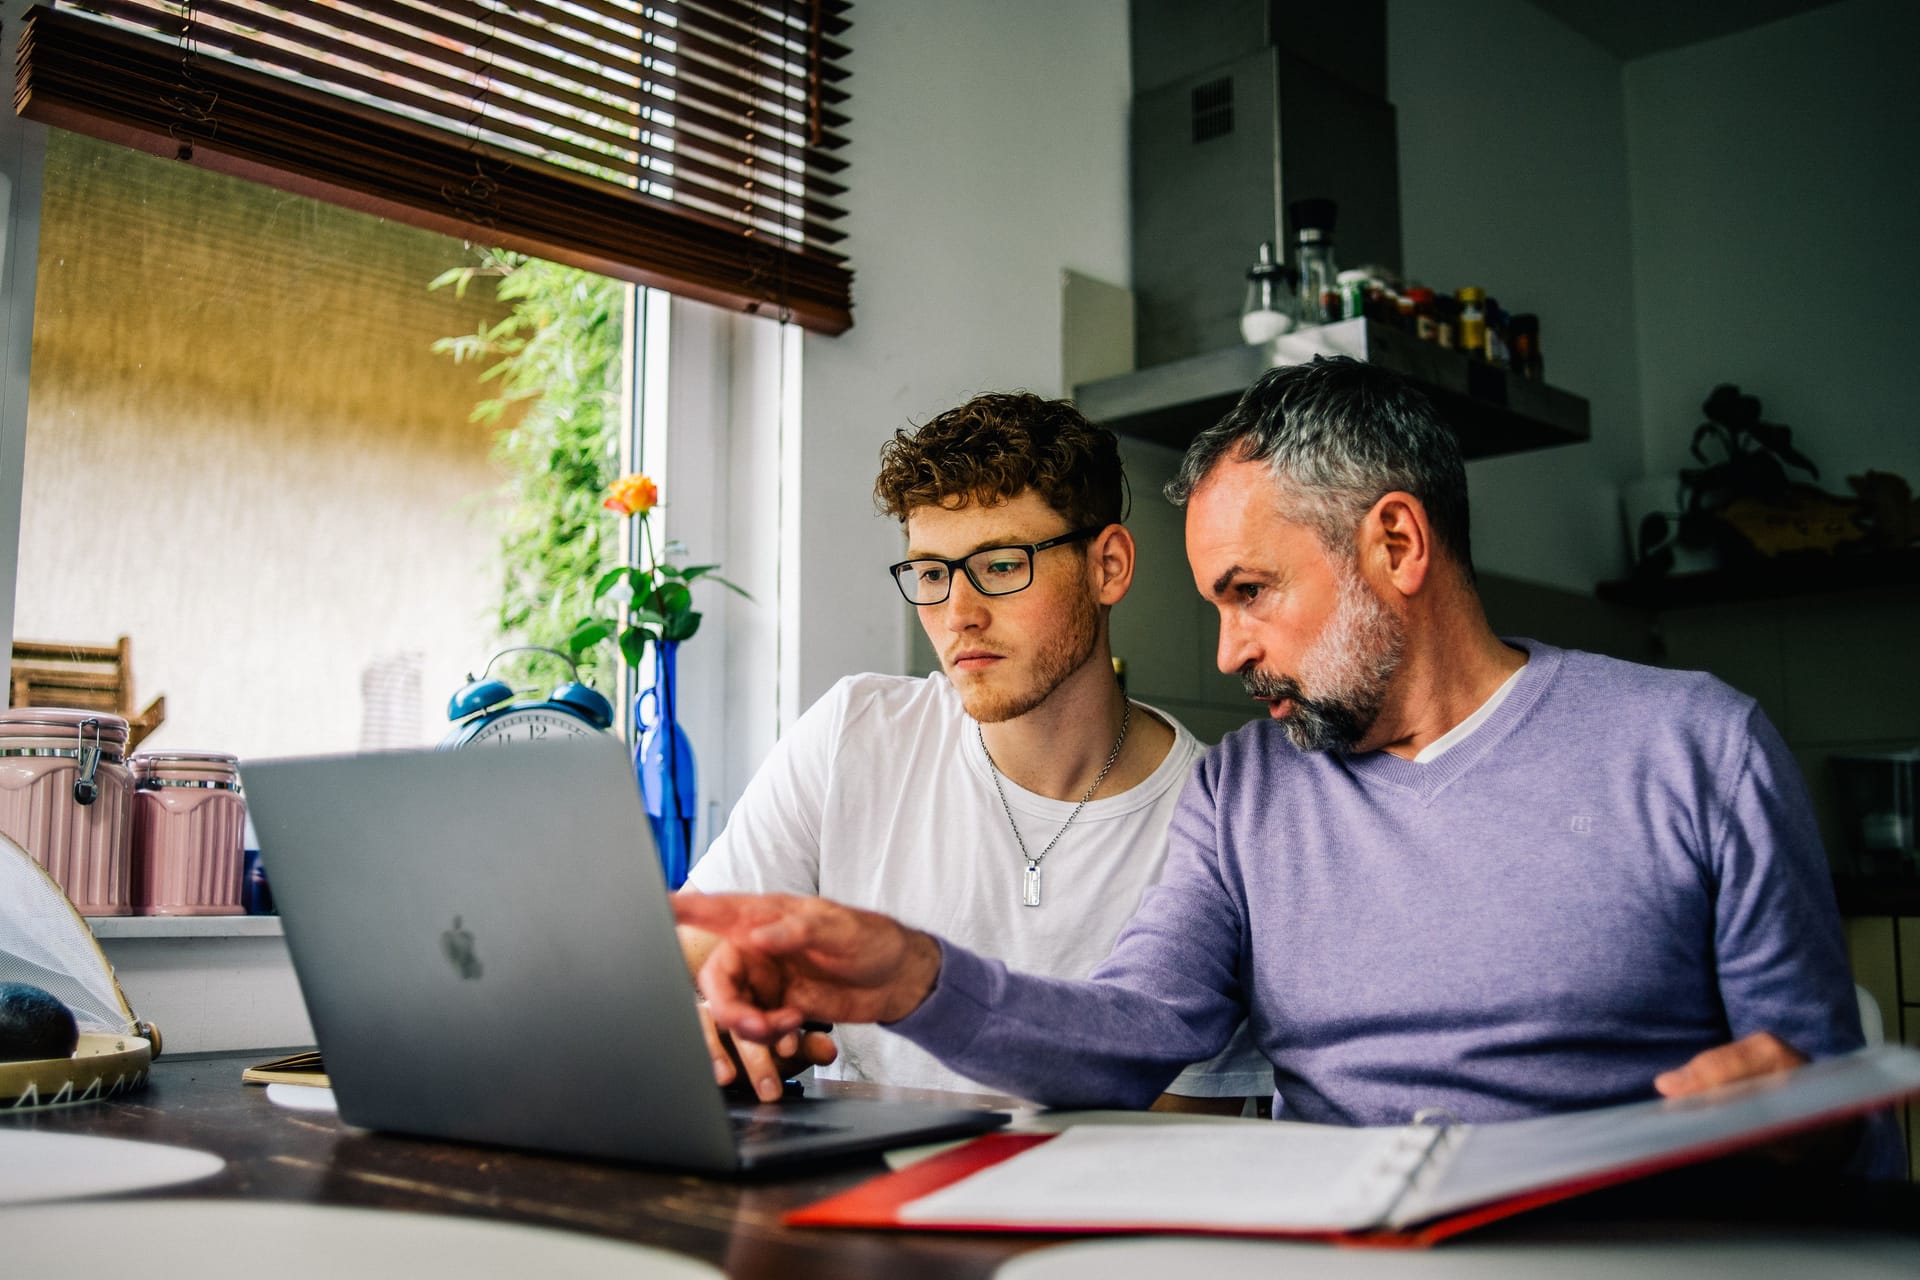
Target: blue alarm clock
(485,710)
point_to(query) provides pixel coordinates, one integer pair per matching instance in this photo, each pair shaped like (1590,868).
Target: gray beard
(1352,662)
(1317,724)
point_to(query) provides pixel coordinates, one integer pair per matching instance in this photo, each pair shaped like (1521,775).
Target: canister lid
(151,766)
(195,759)
(51,722)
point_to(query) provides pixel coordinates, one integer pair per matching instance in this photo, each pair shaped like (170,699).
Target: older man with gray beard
(1450,870)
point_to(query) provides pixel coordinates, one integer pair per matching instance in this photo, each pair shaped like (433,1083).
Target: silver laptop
(487,952)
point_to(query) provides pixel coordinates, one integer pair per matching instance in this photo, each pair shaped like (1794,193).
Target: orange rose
(632,495)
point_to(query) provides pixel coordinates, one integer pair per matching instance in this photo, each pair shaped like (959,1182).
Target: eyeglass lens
(997,571)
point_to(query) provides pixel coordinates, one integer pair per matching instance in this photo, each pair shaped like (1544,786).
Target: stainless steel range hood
(1240,108)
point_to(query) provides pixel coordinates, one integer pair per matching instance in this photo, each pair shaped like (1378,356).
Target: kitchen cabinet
(1885,952)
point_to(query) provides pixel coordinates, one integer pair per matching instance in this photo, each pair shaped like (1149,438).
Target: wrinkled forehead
(1239,516)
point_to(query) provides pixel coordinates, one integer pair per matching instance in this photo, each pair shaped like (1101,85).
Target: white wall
(1775,202)
(1514,175)
(989,152)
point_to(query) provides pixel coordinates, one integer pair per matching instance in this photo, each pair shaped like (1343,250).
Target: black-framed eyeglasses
(993,571)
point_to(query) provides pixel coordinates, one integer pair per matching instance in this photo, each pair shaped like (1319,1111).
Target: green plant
(556,354)
(652,601)
(1743,457)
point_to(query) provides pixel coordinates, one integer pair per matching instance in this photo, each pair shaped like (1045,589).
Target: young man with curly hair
(1017,799)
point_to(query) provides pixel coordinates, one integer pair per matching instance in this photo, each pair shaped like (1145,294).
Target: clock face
(531,724)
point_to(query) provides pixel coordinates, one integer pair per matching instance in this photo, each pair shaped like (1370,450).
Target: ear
(1396,543)
(1110,557)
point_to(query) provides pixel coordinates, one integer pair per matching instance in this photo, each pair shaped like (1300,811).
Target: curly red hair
(995,447)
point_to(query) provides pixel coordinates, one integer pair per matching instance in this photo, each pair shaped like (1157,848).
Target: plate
(56,1166)
(245,1240)
(102,1065)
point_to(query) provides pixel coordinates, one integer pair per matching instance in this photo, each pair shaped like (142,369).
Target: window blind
(689,145)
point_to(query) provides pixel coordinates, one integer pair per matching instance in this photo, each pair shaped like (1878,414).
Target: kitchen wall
(989,151)
(1774,193)
(1514,175)
(1773,196)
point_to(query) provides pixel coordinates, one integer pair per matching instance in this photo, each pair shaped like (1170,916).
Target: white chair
(1870,1024)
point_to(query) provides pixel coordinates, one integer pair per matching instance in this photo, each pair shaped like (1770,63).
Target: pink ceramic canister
(189,823)
(66,797)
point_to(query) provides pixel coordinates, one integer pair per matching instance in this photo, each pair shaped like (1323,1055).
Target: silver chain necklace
(1030,887)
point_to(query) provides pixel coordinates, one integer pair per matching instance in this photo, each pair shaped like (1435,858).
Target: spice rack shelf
(1493,410)
(1785,578)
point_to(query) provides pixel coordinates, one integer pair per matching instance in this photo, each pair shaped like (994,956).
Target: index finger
(735,1005)
(724,913)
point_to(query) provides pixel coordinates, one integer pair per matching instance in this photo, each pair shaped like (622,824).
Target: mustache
(1324,724)
(1268,687)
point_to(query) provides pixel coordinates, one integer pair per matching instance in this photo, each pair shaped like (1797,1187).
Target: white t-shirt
(880,796)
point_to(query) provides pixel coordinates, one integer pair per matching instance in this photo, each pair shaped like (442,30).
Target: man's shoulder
(1660,694)
(883,709)
(890,690)
(1260,745)
(1186,747)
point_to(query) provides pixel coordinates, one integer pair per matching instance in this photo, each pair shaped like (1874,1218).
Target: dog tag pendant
(1030,892)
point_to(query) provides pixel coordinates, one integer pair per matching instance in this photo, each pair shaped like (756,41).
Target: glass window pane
(244,454)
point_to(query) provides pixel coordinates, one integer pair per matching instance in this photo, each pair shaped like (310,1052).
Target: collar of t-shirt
(1464,730)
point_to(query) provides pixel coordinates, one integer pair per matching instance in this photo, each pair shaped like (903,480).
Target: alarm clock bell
(485,710)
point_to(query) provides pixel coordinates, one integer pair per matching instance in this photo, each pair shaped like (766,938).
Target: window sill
(110,927)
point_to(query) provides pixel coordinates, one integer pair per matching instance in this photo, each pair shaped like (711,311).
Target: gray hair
(1337,435)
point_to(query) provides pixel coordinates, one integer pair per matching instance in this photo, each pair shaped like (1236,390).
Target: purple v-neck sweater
(1616,871)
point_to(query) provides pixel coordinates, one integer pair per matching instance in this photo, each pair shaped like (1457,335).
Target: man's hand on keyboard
(762,1068)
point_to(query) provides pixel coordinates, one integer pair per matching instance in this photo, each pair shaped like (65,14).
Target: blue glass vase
(663,759)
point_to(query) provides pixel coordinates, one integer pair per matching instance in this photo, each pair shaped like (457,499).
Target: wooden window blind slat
(232,28)
(682,145)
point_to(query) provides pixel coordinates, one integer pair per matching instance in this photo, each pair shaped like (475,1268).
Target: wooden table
(277,1154)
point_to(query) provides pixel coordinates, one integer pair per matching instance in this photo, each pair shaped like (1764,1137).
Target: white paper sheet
(1275,1176)
(302,1097)
(1494,1161)
(1661,1250)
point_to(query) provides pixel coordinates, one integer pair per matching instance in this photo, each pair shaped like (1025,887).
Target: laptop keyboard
(755,1127)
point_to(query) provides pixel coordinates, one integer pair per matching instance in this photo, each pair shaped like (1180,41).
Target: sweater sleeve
(1777,936)
(1166,996)
(1778,941)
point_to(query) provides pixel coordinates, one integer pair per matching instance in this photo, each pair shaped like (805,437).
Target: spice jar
(1473,320)
(1314,271)
(1426,325)
(1523,338)
(1353,293)
(66,797)
(1446,321)
(188,828)
(1266,310)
